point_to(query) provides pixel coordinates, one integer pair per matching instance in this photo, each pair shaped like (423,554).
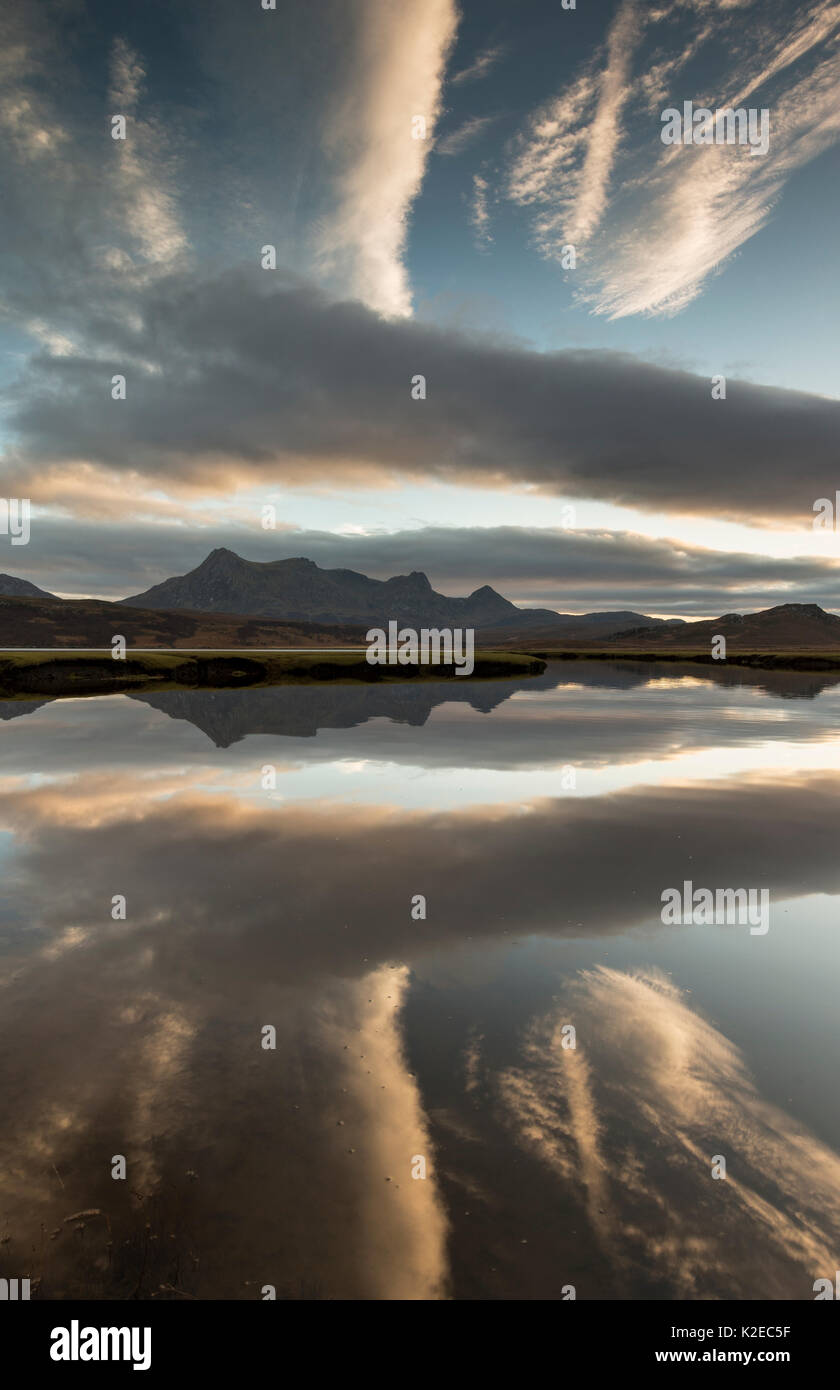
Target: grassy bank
(24,674)
(826,660)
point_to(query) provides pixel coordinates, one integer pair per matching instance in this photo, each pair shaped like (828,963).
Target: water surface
(269,845)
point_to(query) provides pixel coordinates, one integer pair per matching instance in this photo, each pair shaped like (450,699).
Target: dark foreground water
(269,846)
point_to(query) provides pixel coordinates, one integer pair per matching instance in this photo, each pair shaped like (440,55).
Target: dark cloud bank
(256,373)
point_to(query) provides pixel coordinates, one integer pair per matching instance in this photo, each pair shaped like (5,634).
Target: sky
(421,169)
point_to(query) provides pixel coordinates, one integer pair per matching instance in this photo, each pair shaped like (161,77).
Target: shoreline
(93,671)
(770,659)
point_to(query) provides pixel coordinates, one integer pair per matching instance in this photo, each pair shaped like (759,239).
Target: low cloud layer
(255,377)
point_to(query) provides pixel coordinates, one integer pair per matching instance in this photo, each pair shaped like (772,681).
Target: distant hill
(572,627)
(786,627)
(55,622)
(20,588)
(789,627)
(298,590)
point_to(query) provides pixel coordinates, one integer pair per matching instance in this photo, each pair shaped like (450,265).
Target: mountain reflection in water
(439,1038)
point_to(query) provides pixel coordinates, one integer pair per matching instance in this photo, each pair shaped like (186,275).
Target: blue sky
(548,387)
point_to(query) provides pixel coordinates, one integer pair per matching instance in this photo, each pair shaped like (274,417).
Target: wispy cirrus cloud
(459,139)
(334,196)
(400,52)
(482,64)
(564,161)
(649,239)
(480,212)
(86,219)
(143,185)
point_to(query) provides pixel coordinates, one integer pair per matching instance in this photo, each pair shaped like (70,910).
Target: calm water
(269,845)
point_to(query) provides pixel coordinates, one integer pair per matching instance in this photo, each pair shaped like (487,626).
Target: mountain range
(227,601)
(298,590)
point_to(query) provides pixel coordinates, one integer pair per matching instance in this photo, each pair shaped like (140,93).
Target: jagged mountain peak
(296,589)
